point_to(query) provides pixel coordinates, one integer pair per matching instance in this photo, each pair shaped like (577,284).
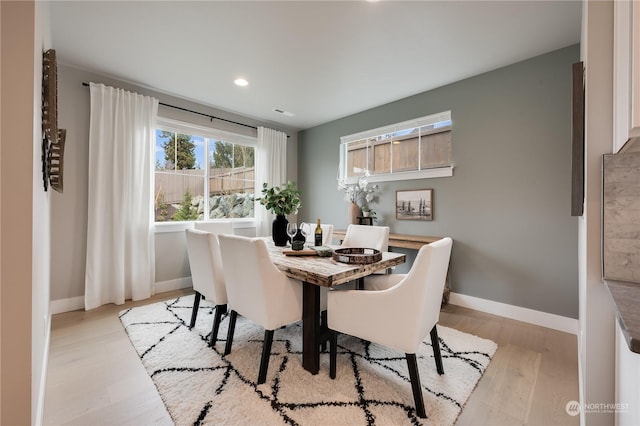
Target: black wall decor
(52,137)
(577,136)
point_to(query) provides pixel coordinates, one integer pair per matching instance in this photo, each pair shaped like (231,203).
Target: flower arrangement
(361,193)
(283,200)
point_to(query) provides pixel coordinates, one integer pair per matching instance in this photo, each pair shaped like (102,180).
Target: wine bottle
(318,235)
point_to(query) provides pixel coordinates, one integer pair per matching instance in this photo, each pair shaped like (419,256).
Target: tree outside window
(188,166)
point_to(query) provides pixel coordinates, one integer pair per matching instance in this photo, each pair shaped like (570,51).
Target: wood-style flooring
(95,377)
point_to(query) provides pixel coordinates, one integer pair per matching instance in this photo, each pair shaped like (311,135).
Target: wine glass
(305,228)
(292,229)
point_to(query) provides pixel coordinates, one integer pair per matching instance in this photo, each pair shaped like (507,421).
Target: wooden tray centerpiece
(321,251)
(303,252)
(357,255)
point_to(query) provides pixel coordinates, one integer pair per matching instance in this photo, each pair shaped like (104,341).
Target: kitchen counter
(626,297)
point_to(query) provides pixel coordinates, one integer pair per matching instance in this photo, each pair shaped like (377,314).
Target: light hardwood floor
(95,377)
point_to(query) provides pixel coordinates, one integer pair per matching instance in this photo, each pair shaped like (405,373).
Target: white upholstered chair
(375,237)
(399,317)
(366,236)
(327,233)
(207,276)
(257,290)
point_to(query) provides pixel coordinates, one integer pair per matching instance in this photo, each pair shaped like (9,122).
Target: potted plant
(280,200)
(367,211)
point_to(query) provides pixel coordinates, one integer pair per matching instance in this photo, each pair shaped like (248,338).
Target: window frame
(433,172)
(208,133)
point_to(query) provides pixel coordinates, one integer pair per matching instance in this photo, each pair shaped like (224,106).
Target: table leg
(311,327)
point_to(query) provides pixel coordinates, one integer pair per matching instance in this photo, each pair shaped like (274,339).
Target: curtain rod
(211,117)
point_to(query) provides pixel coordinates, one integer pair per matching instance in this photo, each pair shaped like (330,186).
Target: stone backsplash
(621,215)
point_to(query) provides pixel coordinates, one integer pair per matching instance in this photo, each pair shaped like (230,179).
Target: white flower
(360,193)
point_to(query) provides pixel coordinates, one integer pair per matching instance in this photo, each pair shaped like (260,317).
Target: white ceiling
(320,60)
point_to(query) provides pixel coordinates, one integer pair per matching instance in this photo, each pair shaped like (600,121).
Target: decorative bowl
(357,255)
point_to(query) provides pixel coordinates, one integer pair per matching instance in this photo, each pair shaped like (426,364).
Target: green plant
(283,200)
(161,208)
(186,210)
(367,211)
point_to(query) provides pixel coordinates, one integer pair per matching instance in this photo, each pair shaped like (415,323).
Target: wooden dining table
(315,272)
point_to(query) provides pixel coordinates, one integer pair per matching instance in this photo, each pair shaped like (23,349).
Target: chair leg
(194,311)
(266,352)
(414,375)
(435,344)
(220,309)
(333,352)
(232,326)
(323,326)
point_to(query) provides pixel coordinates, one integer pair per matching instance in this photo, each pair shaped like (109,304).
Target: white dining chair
(375,237)
(327,233)
(366,236)
(411,309)
(207,276)
(257,290)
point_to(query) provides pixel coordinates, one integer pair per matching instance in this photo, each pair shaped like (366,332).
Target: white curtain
(271,167)
(120,260)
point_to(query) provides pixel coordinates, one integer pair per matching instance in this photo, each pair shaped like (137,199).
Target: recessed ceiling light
(241,82)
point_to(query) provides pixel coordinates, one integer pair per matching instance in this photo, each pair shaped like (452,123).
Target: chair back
(375,237)
(256,289)
(206,265)
(411,307)
(217,227)
(421,289)
(327,233)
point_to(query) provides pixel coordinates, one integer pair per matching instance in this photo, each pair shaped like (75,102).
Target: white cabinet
(626,80)
(627,409)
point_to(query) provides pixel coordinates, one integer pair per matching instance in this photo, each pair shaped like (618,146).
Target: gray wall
(69,209)
(507,207)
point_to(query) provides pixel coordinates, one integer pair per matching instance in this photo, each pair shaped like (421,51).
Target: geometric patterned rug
(200,387)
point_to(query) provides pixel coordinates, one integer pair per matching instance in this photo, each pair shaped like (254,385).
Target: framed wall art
(414,204)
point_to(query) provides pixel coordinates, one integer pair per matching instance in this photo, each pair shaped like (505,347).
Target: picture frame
(416,204)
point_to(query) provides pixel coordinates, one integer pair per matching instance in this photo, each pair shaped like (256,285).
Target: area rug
(201,387)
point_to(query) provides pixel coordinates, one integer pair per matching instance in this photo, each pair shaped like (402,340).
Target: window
(192,161)
(409,150)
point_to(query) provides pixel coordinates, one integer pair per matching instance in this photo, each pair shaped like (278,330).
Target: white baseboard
(77,303)
(66,305)
(543,319)
(169,285)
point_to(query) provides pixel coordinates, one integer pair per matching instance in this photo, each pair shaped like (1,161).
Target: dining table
(314,272)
